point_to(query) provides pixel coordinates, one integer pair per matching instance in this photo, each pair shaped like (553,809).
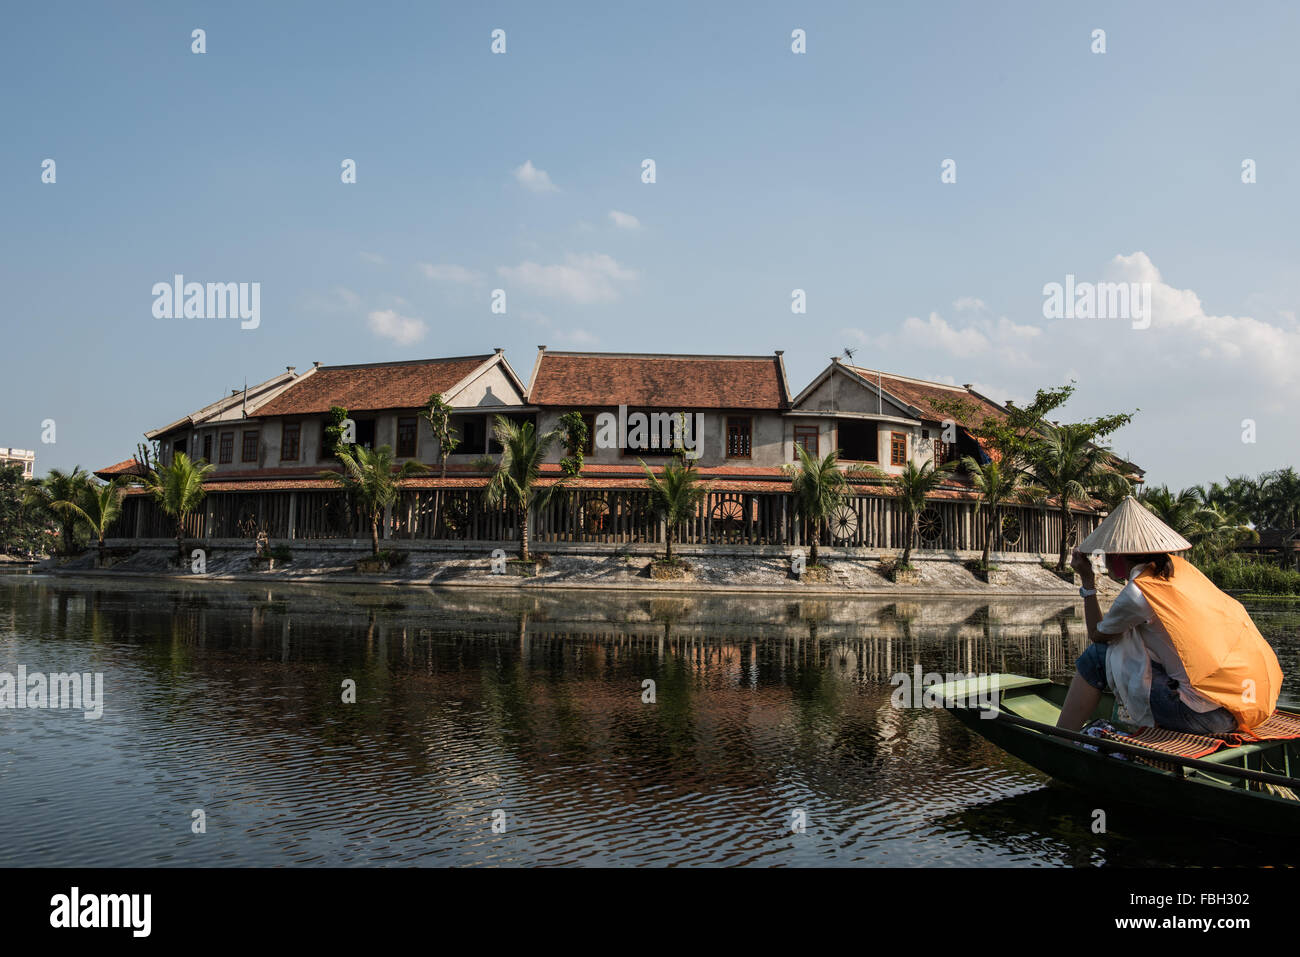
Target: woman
(1177,651)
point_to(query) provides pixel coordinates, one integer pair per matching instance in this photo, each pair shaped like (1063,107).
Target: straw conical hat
(1133,530)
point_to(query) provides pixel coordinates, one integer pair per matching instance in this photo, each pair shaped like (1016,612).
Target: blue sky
(775,171)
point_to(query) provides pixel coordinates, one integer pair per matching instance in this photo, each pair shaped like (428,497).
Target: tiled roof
(923,396)
(380,385)
(682,382)
(125,467)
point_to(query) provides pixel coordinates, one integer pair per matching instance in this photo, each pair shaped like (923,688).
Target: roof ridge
(408,362)
(658,355)
(908,378)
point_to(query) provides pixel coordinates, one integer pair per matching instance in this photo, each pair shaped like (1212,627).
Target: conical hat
(1132,529)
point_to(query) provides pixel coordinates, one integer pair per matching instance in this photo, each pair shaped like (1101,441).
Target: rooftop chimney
(289,369)
(316,364)
(498,350)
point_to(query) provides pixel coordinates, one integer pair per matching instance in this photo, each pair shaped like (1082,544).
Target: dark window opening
(857,440)
(249,451)
(365,435)
(406,429)
(740,438)
(207,448)
(227,454)
(291,442)
(178,446)
(589,420)
(471,437)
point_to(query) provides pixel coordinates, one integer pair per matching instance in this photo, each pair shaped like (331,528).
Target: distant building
(23,457)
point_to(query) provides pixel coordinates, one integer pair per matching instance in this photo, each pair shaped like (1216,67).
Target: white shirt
(1132,613)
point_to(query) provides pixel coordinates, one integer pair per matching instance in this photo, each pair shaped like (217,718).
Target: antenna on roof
(848,354)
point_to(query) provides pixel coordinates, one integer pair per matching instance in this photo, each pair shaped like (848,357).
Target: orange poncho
(1226,657)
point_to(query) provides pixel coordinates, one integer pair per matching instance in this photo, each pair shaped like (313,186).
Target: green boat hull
(1195,793)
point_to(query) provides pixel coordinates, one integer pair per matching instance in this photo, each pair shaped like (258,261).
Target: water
(226,698)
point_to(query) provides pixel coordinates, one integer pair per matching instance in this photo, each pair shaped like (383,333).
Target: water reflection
(228,697)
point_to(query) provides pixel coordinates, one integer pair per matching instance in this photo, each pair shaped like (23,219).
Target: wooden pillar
(293,514)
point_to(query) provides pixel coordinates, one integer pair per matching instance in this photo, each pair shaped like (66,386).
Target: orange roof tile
(379,385)
(682,382)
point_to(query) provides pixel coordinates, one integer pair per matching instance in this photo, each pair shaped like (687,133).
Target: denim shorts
(1167,707)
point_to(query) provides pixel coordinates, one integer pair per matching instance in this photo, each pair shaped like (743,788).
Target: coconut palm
(819,487)
(1280,491)
(98,506)
(178,490)
(1206,527)
(514,480)
(997,483)
(371,476)
(913,485)
(675,497)
(60,486)
(1068,466)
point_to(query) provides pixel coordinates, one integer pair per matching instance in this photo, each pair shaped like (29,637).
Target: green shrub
(1241,573)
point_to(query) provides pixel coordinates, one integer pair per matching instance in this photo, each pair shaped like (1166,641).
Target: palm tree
(675,497)
(1068,466)
(370,475)
(98,506)
(178,490)
(1280,492)
(1207,527)
(438,414)
(996,482)
(514,480)
(819,487)
(914,485)
(60,486)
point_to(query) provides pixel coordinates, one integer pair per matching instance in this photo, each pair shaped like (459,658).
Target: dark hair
(1160,562)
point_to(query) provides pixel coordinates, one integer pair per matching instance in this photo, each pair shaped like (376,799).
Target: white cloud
(448,272)
(1194,375)
(374,258)
(401,329)
(575,337)
(586,278)
(349,298)
(624,220)
(538,180)
(969,303)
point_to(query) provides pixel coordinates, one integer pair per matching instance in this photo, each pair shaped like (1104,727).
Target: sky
(775,171)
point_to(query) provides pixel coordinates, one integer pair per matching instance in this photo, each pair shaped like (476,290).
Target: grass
(1239,573)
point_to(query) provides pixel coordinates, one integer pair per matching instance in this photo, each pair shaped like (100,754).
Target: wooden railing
(606,517)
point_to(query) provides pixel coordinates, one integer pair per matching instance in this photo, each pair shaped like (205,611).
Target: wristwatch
(1087,592)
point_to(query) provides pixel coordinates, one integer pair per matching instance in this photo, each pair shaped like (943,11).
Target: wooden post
(293,514)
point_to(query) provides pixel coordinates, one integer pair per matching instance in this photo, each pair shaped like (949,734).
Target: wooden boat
(1251,785)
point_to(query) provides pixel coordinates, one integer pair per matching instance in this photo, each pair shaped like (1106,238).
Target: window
(207,447)
(227,454)
(472,437)
(857,440)
(807,436)
(739,438)
(897,448)
(291,442)
(249,452)
(589,420)
(178,446)
(406,427)
(365,433)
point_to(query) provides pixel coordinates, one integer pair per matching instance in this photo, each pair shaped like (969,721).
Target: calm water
(228,698)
